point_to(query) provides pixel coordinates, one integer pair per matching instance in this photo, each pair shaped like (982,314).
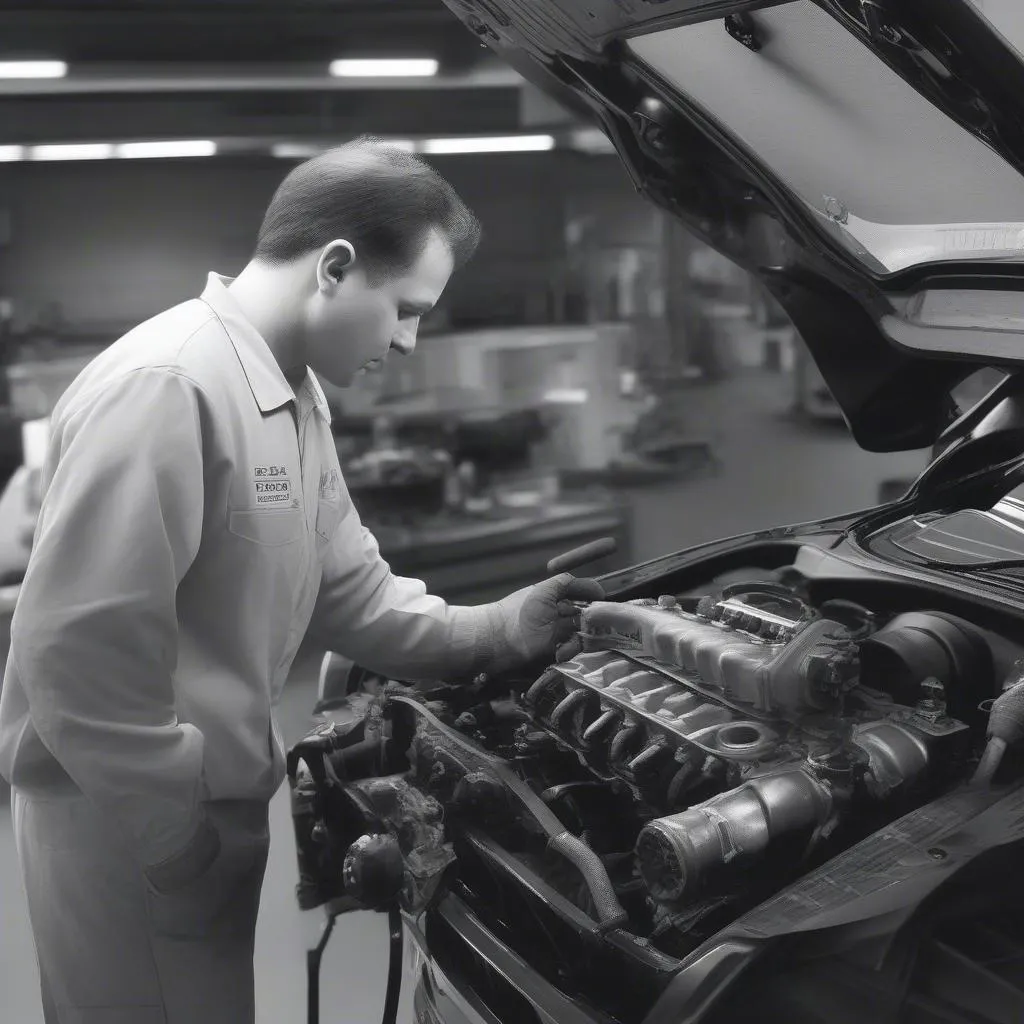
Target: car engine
(698,754)
(743,730)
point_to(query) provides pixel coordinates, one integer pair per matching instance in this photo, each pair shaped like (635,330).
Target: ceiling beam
(282,31)
(101,80)
(282,114)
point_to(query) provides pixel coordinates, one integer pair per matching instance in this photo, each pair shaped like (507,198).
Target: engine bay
(701,752)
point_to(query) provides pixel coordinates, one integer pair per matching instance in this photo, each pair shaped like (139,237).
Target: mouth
(373,366)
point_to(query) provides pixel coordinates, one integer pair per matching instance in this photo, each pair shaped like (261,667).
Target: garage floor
(772,470)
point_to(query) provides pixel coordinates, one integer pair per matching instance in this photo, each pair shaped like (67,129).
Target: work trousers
(110,949)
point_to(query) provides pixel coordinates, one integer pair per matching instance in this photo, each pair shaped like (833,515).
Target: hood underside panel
(901,183)
(862,158)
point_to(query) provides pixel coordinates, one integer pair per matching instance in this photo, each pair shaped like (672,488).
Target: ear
(336,260)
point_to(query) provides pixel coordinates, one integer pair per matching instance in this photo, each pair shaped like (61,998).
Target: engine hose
(654,753)
(990,761)
(681,782)
(394,986)
(597,728)
(543,682)
(623,740)
(576,699)
(589,864)
(609,911)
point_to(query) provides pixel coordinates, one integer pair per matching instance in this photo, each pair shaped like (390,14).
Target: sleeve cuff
(181,868)
(477,639)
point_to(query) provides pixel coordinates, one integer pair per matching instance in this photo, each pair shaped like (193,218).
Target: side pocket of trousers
(224,898)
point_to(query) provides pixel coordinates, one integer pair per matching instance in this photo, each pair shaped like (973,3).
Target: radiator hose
(609,911)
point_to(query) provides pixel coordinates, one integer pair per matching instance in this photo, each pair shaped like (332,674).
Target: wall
(114,242)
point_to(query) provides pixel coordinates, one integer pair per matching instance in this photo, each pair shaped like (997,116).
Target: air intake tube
(690,852)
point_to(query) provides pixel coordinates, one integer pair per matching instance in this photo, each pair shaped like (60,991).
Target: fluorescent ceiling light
(396,68)
(295,150)
(591,140)
(11,153)
(33,69)
(168,148)
(73,151)
(305,150)
(493,144)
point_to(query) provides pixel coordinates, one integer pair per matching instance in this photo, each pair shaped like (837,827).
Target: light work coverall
(194,526)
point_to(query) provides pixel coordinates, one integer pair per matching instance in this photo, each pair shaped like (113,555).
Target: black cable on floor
(313,957)
(394,988)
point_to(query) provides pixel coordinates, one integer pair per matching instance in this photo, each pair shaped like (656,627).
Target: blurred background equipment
(457,485)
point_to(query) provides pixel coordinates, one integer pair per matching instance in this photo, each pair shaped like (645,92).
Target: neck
(267,297)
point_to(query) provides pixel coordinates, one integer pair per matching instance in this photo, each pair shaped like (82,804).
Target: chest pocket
(329,511)
(269,527)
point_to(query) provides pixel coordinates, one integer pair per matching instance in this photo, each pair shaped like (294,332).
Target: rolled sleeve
(94,635)
(388,623)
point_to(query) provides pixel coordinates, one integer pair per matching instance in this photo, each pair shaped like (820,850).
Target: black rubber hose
(569,704)
(394,986)
(623,740)
(313,958)
(602,725)
(591,867)
(576,852)
(533,694)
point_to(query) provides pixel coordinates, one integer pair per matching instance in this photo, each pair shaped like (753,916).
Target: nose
(405,341)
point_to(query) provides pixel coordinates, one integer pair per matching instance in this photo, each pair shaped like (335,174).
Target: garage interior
(594,370)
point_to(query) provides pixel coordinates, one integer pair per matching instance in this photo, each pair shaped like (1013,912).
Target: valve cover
(747,657)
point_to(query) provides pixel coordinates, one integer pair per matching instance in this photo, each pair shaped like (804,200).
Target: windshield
(891,177)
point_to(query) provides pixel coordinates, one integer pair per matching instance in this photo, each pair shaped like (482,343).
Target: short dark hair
(381,198)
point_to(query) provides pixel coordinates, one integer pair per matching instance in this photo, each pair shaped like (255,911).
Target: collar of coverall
(267,382)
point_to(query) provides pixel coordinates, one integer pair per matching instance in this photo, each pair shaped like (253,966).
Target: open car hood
(863,158)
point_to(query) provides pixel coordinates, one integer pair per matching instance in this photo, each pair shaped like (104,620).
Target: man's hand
(539,622)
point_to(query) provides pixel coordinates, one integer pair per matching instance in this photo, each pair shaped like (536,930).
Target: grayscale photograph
(511,511)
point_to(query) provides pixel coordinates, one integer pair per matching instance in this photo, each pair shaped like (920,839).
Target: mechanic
(195,526)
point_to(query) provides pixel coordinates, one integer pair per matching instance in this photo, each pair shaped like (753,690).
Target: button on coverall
(194,526)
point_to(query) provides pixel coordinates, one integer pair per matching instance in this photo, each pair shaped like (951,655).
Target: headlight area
(608,817)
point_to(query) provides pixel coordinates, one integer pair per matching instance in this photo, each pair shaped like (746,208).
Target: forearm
(391,625)
(408,634)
